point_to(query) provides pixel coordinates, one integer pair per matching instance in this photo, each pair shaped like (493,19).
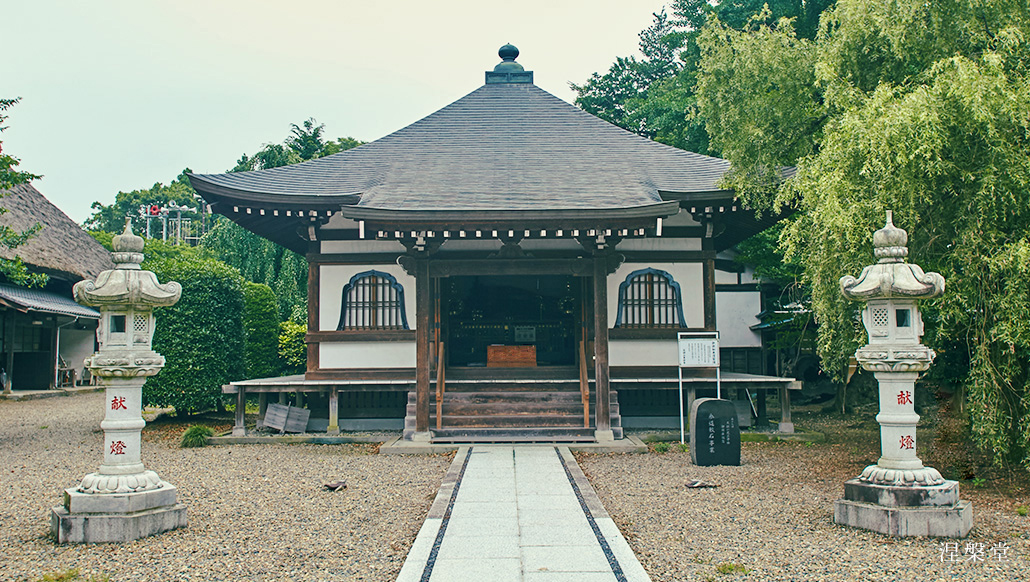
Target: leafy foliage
(258,259)
(201,336)
(261,324)
(919,107)
(111,218)
(261,261)
(293,351)
(9,176)
(656,96)
(14,270)
(196,436)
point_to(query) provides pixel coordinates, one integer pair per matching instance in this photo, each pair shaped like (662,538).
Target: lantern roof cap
(127,285)
(891,277)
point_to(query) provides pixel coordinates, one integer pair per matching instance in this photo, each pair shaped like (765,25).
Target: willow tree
(920,107)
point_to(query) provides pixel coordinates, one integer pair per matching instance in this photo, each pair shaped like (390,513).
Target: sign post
(697,350)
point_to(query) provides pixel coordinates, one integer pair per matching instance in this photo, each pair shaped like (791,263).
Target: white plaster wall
(725,278)
(332,278)
(659,244)
(643,352)
(688,275)
(735,313)
(331,247)
(75,346)
(366,355)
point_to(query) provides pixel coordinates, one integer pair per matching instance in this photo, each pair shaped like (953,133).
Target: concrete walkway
(519,513)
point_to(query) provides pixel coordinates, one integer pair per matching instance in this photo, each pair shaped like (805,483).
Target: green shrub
(196,436)
(661,447)
(293,352)
(201,336)
(261,324)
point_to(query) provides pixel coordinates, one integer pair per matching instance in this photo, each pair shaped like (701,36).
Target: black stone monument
(714,432)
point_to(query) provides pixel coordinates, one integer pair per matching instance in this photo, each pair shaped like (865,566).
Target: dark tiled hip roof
(501,147)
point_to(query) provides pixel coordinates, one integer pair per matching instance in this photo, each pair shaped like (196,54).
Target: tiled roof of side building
(505,146)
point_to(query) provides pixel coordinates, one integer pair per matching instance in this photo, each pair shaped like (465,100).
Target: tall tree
(14,270)
(922,108)
(656,96)
(111,217)
(258,259)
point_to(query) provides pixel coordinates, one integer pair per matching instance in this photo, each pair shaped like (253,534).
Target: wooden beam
(602,413)
(499,266)
(423,310)
(362,335)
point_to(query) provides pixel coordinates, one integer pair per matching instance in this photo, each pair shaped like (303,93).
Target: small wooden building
(46,335)
(509,267)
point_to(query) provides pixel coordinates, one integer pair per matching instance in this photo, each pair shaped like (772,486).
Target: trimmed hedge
(293,352)
(201,337)
(261,324)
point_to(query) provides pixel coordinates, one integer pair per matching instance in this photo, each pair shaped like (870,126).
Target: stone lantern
(122,501)
(898,495)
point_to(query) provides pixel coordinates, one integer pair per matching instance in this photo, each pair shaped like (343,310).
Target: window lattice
(880,317)
(140,323)
(650,298)
(373,300)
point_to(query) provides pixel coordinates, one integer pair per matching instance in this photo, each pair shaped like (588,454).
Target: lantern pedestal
(905,511)
(116,517)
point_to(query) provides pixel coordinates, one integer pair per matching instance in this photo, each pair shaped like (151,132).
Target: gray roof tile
(501,147)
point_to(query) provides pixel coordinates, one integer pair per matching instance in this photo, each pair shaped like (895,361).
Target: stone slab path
(522,514)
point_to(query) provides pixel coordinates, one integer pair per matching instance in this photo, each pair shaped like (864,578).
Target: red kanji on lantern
(118,448)
(908,442)
(118,403)
(904,397)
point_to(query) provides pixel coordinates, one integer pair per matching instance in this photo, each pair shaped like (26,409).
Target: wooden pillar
(8,348)
(240,429)
(763,411)
(785,422)
(334,410)
(423,310)
(602,421)
(262,408)
(708,268)
(54,350)
(313,317)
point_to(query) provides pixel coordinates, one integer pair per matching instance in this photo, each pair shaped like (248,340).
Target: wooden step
(510,435)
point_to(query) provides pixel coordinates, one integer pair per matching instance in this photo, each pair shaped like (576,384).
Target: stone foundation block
(100,527)
(934,521)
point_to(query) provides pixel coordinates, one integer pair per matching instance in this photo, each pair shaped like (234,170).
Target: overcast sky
(120,94)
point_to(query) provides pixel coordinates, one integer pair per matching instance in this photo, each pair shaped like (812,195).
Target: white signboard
(699,352)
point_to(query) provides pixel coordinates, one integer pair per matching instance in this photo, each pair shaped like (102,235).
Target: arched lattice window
(373,300)
(650,298)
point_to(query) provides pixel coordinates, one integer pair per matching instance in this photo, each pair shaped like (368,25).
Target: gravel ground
(256,512)
(773,516)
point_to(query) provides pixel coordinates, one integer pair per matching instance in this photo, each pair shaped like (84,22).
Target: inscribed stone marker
(714,432)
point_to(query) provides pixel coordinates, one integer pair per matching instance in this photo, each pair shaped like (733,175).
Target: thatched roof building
(61,248)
